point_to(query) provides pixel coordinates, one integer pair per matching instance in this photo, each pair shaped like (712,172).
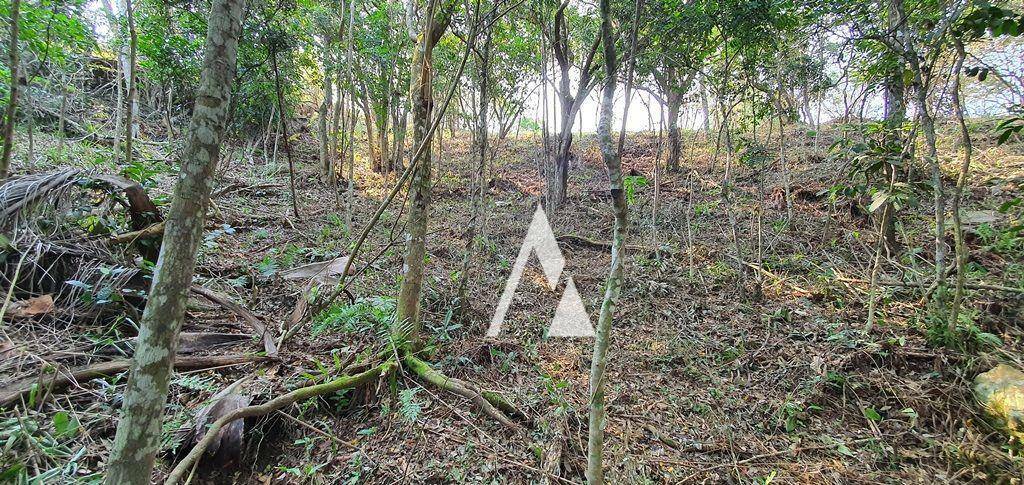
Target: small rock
(1001,391)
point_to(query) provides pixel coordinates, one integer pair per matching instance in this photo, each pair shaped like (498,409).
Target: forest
(511,241)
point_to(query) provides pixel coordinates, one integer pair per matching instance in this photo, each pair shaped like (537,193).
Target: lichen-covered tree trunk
(12,99)
(138,432)
(613,286)
(939,200)
(407,312)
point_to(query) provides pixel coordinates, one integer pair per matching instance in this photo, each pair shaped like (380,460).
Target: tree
(613,285)
(679,38)
(570,101)
(434,23)
(138,432)
(12,96)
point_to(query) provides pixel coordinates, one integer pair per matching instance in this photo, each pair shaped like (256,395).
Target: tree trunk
(704,110)
(895,112)
(675,101)
(961,182)
(133,88)
(12,100)
(371,145)
(479,189)
(351,147)
(613,286)
(168,106)
(138,433)
(335,131)
(322,114)
(284,131)
(30,121)
(407,313)
(62,115)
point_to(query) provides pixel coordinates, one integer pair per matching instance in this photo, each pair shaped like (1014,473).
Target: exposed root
(488,401)
(301,394)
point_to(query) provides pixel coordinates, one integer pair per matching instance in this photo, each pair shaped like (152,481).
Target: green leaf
(845,450)
(871,414)
(64,425)
(877,199)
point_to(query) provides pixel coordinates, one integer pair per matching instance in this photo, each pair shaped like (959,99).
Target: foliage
(365,315)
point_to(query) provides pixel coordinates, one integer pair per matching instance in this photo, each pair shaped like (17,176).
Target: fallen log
(60,380)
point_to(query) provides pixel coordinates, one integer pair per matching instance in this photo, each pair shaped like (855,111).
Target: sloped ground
(706,384)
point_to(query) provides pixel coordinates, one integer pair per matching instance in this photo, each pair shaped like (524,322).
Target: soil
(719,372)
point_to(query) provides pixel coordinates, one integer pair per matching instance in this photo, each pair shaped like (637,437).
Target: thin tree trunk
(138,433)
(335,132)
(61,140)
(132,83)
(12,100)
(876,266)
(284,131)
(480,153)
(961,182)
(30,160)
(613,286)
(674,102)
(407,314)
(349,58)
(323,113)
(656,206)
(168,106)
(704,110)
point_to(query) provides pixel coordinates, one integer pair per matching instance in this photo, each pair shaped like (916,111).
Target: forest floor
(715,375)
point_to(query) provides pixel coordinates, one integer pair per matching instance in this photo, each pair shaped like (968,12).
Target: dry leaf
(31,307)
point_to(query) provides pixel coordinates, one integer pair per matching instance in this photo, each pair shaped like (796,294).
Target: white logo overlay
(571,318)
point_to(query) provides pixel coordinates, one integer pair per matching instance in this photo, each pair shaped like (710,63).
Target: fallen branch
(488,401)
(254,322)
(144,233)
(301,394)
(188,342)
(777,278)
(904,284)
(759,457)
(576,240)
(61,380)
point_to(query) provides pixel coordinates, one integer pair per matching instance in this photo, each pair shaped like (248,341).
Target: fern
(196,383)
